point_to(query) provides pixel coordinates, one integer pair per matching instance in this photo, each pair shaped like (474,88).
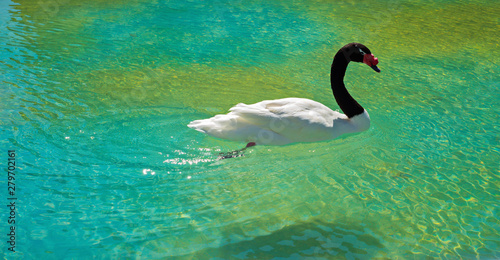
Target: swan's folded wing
(301,120)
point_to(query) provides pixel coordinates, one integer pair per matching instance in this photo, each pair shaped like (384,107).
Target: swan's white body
(280,122)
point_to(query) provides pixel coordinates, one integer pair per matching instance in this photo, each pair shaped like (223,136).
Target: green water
(96,98)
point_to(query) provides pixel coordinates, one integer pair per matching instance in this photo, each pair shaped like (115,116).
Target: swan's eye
(361,51)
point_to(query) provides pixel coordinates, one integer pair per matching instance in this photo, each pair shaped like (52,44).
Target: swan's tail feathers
(199,125)
(215,124)
(237,153)
(230,127)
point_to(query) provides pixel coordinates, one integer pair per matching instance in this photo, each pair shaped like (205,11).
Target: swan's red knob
(371,61)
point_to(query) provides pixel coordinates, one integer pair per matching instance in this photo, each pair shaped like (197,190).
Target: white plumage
(280,122)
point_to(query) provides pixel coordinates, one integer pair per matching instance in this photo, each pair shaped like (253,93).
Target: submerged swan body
(290,120)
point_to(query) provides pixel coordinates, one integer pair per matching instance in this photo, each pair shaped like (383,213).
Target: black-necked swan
(290,120)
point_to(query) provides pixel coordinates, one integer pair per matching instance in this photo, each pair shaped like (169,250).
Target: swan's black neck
(346,102)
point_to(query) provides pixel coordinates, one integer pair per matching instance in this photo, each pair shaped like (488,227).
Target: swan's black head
(359,53)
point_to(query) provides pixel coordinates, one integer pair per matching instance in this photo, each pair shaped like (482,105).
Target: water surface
(96,98)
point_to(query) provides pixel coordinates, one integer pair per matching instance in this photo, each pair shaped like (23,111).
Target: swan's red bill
(371,61)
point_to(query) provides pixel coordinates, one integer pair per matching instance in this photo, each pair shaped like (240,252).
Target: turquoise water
(96,98)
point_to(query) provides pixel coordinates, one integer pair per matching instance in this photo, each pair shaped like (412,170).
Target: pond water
(96,98)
